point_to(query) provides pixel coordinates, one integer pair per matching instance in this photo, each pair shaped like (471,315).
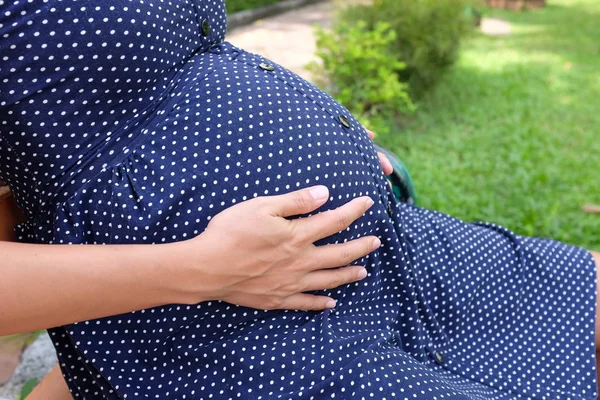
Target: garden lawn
(512,133)
(241,5)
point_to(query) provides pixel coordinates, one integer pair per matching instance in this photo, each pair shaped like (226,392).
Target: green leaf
(28,388)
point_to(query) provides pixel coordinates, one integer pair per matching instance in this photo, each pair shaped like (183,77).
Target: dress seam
(131,150)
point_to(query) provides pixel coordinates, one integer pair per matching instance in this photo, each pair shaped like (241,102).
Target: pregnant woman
(130,122)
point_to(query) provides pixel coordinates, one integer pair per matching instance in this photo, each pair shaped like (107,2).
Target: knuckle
(272,303)
(348,276)
(368,245)
(342,221)
(290,288)
(262,205)
(258,205)
(278,287)
(347,256)
(351,275)
(291,247)
(300,201)
(304,267)
(336,281)
(297,237)
(311,305)
(256,201)
(297,242)
(297,287)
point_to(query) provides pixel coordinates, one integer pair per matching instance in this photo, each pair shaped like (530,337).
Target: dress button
(205,27)
(439,357)
(390,209)
(266,67)
(345,121)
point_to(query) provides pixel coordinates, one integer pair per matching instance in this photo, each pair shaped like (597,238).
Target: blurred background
(492,105)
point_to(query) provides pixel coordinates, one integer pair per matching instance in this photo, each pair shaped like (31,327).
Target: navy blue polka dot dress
(134,122)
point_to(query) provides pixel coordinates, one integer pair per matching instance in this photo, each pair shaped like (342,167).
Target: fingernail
(362,274)
(330,304)
(319,193)
(369,203)
(376,243)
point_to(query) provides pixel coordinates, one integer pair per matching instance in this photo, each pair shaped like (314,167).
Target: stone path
(495,27)
(36,362)
(286,39)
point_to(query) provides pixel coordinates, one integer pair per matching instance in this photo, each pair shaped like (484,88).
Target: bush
(240,5)
(359,71)
(427,34)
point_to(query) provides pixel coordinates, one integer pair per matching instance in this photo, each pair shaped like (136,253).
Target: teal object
(402,183)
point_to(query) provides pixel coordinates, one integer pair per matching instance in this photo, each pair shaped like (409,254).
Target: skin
(50,285)
(386,165)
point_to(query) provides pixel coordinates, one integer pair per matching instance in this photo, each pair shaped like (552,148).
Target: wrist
(158,273)
(184,271)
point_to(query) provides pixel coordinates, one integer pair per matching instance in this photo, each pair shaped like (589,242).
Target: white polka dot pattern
(133,122)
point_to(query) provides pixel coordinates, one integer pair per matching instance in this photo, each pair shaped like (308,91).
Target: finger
(340,255)
(4,192)
(371,134)
(307,302)
(323,280)
(386,165)
(299,202)
(329,222)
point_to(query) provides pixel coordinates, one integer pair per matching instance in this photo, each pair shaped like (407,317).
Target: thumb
(299,202)
(4,191)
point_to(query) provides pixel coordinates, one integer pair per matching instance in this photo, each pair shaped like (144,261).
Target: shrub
(427,34)
(359,71)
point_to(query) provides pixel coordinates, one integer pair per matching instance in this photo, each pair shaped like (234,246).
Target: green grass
(512,133)
(240,5)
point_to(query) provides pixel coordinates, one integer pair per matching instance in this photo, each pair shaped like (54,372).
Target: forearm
(43,286)
(250,254)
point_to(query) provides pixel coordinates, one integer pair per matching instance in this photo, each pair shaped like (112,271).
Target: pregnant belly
(238,127)
(246,128)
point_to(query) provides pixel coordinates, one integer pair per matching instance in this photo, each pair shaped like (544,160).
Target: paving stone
(288,38)
(10,355)
(37,360)
(495,27)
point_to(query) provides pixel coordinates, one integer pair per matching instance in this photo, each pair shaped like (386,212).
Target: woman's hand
(249,255)
(259,259)
(386,165)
